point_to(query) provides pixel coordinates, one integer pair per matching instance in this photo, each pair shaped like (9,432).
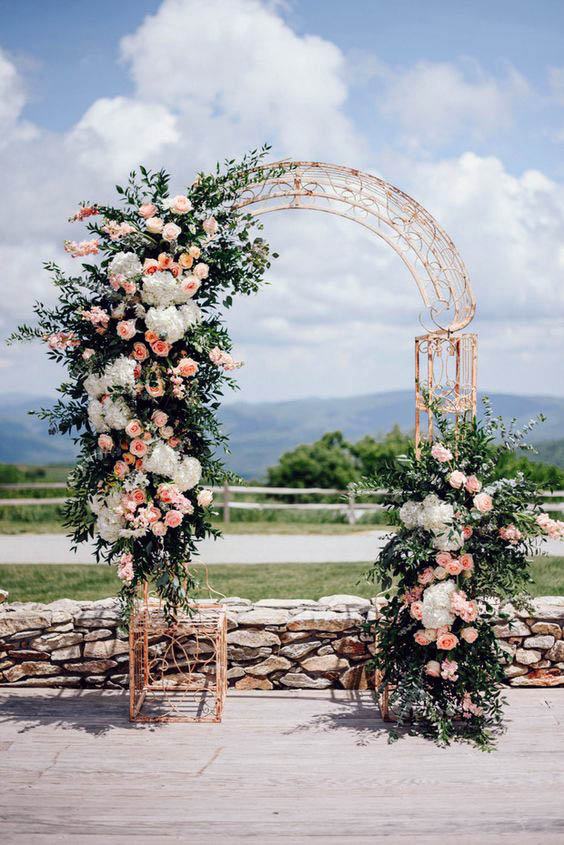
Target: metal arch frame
(422,244)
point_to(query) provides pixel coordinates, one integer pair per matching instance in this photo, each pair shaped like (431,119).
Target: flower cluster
(464,535)
(148,358)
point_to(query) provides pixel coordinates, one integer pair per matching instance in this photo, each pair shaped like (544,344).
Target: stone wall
(272,644)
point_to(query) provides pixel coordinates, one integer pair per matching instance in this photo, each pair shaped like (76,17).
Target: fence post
(351,516)
(226,499)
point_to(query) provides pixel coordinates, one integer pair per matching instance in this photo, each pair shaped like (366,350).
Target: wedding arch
(445,359)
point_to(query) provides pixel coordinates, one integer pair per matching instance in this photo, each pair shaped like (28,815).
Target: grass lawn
(46,582)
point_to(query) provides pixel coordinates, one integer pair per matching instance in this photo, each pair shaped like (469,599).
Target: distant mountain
(261,431)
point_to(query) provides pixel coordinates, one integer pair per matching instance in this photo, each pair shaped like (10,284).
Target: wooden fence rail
(348,506)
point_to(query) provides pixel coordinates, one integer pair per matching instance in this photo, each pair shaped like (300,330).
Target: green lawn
(46,582)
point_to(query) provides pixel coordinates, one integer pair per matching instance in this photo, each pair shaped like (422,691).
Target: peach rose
(165,260)
(140,351)
(483,502)
(138,496)
(187,367)
(150,264)
(173,519)
(433,669)
(421,638)
(416,609)
(120,469)
(164,492)
(467,562)
(469,634)
(210,226)
(194,251)
(138,448)
(185,260)
(190,285)
(456,479)
(174,442)
(473,485)
(155,390)
(440,573)
(159,529)
(447,641)
(180,204)
(205,498)
(151,337)
(171,232)
(160,418)
(147,210)
(153,514)
(201,271)
(427,576)
(441,453)
(105,442)
(126,329)
(128,458)
(442,558)
(467,532)
(160,347)
(154,225)
(453,567)
(133,428)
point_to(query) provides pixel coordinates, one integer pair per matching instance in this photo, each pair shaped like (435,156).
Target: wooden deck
(290,767)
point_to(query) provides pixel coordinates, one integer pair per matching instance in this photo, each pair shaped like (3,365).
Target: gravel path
(233,548)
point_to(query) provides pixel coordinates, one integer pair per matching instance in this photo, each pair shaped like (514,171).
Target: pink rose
(510,534)
(154,225)
(467,532)
(469,634)
(442,558)
(159,529)
(416,609)
(427,576)
(448,670)
(105,442)
(483,502)
(126,329)
(210,226)
(147,210)
(190,286)
(165,493)
(472,484)
(125,567)
(421,638)
(453,567)
(88,353)
(433,668)
(441,453)
(201,271)
(150,264)
(447,641)
(138,496)
(133,428)
(205,498)
(152,514)
(138,448)
(187,367)
(180,204)
(160,418)
(467,562)
(173,519)
(140,351)
(456,479)
(171,232)
(120,469)
(161,348)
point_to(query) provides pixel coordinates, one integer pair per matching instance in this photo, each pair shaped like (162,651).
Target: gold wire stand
(177,672)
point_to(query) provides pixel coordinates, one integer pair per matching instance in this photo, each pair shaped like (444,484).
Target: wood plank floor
(296,767)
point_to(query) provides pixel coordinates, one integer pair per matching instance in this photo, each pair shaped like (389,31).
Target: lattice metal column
(445,376)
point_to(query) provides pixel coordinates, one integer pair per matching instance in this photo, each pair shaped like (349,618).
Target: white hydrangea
(435,514)
(96,415)
(117,373)
(125,264)
(162,460)
(95,385)
(410,513)
(172,323)
(112,413)
(188,474)
(162,289)
(449,540)
(437,604)
(109,516)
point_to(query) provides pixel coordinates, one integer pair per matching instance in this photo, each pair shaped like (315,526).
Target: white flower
(437,604)
(172,323)
(109,516)
(120,373)
(449,540)
(112,413)
(191,314)
(95,385)
(409,514)
(135,480)
(163,460)
(188,474)
(96,415)
(125,264)
(435,514)
(162,289)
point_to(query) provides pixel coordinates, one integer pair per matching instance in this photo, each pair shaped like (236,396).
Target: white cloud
(435,102)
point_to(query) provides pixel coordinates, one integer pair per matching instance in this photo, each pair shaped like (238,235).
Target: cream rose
(171,231)
(154,225)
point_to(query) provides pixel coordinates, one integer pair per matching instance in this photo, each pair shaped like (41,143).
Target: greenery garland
(148,359)
(459,554)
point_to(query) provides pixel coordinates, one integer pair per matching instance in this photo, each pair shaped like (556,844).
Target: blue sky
(460,104)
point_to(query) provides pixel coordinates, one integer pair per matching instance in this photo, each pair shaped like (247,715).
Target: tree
(328,462)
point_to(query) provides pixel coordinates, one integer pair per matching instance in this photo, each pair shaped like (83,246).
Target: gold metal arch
(427,251)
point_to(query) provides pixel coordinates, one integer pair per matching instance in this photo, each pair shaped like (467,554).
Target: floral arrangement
(148,358)
(460,552)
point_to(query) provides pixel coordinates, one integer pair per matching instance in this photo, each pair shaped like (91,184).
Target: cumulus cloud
(435,102)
